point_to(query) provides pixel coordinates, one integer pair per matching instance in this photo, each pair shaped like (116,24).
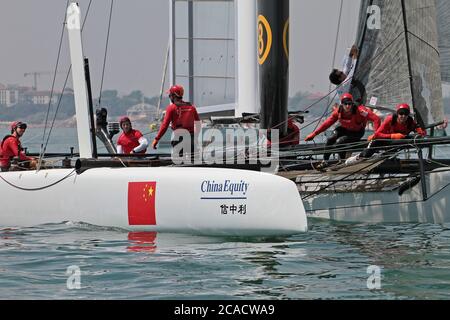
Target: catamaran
(401,61)
(110,193)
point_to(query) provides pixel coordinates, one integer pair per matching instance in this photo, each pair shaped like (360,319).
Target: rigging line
(351,146)
(384,204)
(366,64)
(335,43)
(366,205)
(227,48)
(106,52)
(323,98)
(163,80)
(319,150)
(316,120)
(41,155)
(54,80)
(408,59)
(379,177)
(121,161)
(326,112)
(345,177)
(426,42)
(85,17)
(44,148)
(438,163)
(363,36)
(337,148)
(40,188)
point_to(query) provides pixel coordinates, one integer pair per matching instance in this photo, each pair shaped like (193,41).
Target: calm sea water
(330,261)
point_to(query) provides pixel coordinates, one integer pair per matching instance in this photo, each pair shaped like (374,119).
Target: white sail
(203,52)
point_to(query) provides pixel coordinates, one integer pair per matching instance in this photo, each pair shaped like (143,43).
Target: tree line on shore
(119,105)
(65,107)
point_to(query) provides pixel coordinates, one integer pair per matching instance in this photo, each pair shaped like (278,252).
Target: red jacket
(293,136)
(130,140)
(388,127)
(351,121)
(10,148)
(179,117)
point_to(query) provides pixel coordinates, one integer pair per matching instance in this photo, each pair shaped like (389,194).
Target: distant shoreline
(67,123)
(58,124)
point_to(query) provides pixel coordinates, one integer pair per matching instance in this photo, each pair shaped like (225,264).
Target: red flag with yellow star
(141,203)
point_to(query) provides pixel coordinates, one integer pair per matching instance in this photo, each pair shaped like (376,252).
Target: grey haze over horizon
(31,30)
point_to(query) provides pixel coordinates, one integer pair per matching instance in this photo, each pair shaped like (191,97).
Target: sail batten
(400,61)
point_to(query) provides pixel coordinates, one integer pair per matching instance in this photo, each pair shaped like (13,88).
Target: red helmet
(403,106)
(346,96)
(176,90)
(18,124)
(124,119)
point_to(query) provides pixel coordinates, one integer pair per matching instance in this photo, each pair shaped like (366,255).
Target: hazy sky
(30,31)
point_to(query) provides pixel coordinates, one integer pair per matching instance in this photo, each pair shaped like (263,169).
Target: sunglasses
(22,126)
(403,112)
(347,102)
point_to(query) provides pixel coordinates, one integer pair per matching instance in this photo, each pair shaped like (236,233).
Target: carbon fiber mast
(273,59)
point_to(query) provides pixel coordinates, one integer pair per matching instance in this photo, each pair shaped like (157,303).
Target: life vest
(293,134)
(5,161)
(179,116)
(130,140)
(356,122)
(411,125)
(4,139)
(185,116)
(9,136)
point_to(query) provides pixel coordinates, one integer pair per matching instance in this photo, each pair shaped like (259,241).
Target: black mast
(91,108)
(408,55)
(361,41)
(273,58)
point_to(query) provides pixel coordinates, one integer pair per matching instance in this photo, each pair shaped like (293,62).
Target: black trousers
(340,137)
(375,146)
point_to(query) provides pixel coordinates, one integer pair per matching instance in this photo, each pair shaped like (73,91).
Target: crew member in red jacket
(10,148)
(293,134)
(179,115)
(395,127)
(131,140)
(352,125)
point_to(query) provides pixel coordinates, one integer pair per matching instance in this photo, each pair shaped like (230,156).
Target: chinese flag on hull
(141,203)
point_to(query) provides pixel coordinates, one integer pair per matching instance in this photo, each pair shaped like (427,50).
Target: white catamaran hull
(191,200)
(386,206)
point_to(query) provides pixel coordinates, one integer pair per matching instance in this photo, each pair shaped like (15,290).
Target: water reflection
(142,241)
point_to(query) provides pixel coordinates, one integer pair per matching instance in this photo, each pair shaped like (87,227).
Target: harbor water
(73,260)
